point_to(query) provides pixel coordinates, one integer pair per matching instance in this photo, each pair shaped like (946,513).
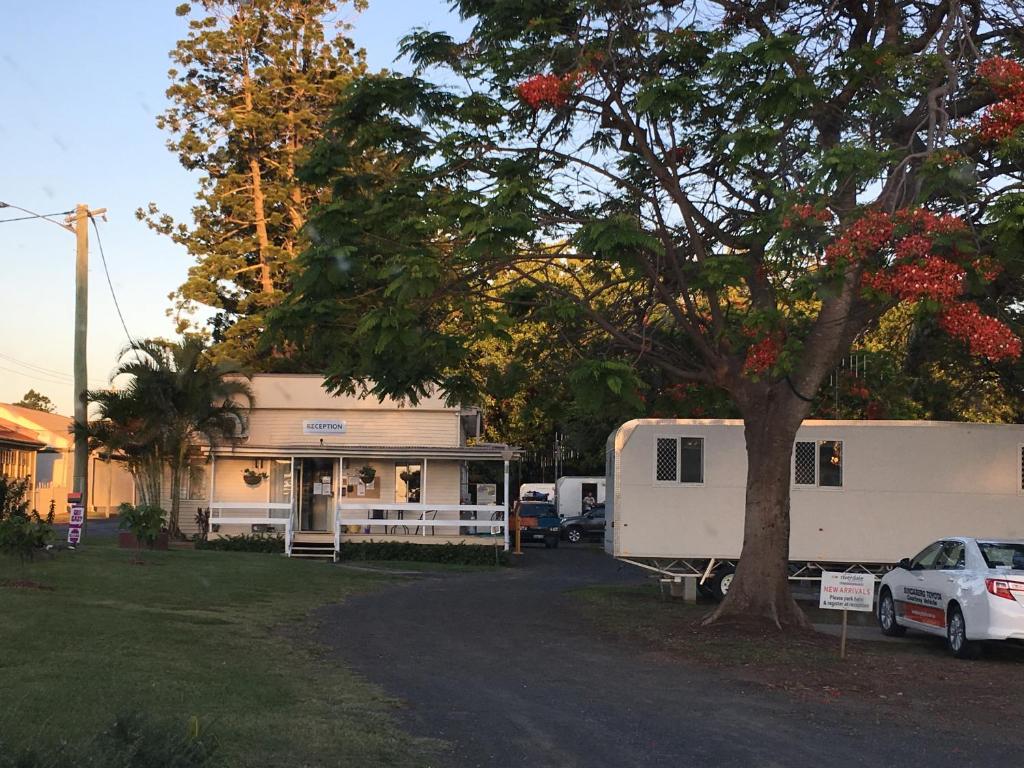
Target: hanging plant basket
(253,478)
(367,474)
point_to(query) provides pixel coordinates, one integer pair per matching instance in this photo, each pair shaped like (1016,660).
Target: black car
(589,525)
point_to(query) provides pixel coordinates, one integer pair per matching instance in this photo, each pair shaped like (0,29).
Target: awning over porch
(483,452)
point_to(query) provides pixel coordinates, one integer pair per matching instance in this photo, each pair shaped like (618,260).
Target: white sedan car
(965,589)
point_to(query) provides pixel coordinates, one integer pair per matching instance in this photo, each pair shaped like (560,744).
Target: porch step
(316,549)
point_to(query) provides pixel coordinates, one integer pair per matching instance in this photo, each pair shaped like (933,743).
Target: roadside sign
(75,497)
(847,591)
(75,523)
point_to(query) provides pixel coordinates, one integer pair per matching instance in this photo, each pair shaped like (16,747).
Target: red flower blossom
(762,355)
(548,90)
(1004,118)
(985,336)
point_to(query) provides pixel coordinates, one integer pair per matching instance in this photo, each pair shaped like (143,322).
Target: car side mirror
(904,564)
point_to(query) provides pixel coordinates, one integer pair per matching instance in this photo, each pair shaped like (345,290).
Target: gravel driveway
(503,667)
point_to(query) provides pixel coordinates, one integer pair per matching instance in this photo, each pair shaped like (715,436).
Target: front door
(316,493)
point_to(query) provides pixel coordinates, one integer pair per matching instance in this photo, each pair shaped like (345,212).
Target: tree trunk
(760,593)
(262,238)
(172,522)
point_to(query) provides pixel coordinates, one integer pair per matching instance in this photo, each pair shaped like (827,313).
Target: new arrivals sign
(323,427)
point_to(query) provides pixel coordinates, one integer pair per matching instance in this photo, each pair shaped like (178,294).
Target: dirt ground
(913,679)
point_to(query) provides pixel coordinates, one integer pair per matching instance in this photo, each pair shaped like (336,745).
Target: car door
(595,522)
(950,573)
(918,595)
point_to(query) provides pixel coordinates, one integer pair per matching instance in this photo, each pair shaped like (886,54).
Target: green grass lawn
(224,637)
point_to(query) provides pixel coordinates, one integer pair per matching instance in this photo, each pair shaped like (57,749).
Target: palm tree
(176,398)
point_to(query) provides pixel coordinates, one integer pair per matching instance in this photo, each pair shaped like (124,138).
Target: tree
(252,85)
(176,398)
(745,187)
(37,402)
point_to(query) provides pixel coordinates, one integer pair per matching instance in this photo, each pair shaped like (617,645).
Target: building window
(195,486)
(280,481)
(679,460)
(667,461)
(804,467)
(818,464)
(1022,467)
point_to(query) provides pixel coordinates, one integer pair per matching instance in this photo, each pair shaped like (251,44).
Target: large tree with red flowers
(729,191)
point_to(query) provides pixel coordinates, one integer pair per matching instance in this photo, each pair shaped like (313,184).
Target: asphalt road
(504,667)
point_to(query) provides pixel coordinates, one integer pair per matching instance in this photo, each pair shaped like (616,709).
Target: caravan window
(679,460)
(818,464)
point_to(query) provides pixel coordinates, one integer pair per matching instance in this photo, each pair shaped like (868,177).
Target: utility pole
(79,223)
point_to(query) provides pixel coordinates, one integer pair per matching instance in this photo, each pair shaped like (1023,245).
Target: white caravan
(865,494)
(570,493)
(536,490)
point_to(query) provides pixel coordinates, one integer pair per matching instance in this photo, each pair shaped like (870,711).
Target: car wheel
(721,581)
(956,635)
(574,535)
(887,615)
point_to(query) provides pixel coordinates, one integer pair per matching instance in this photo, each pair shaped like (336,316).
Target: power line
(35,215)
(60,377)
(110,283)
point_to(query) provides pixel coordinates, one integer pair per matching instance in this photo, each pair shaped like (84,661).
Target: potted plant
(142,524)
(367,474)
(253,477)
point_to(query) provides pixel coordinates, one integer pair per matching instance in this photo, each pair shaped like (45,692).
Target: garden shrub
(253,542)
(131,741)
(455,554)
(145,522)
(23,532)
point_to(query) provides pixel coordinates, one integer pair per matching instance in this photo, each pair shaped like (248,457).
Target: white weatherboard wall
(905,484)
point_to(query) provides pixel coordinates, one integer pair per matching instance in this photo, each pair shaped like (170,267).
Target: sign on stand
(75,524)
(847,592)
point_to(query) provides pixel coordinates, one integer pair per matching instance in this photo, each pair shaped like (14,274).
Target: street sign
(74,535)
(75,497)
(847,591)
(77,516)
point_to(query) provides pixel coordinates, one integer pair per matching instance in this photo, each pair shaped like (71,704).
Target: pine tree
(253,84)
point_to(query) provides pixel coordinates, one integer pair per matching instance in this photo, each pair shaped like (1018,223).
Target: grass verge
(219,636)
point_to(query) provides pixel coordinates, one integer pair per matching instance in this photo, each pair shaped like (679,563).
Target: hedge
(458,554)
(255,542)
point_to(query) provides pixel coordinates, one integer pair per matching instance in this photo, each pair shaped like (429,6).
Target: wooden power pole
(80,224)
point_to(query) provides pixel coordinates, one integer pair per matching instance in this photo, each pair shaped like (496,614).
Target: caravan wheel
(721,582)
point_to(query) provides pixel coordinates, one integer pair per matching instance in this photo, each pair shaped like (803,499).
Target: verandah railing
(496,517)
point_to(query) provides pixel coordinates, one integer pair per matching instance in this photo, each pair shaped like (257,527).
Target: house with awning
(53,460)
(18,448)
(323,469)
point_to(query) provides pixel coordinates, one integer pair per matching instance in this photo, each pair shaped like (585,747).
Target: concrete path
(504,667)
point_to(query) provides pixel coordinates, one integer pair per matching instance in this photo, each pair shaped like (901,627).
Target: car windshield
(1003,554)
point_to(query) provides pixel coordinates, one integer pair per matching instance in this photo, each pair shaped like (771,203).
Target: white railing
(420,519)
(268,519)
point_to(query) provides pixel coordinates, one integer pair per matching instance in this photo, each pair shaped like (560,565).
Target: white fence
(420,519)
(268,518)
(408,515)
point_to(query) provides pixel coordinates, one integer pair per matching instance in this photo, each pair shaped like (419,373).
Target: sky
(80,87)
